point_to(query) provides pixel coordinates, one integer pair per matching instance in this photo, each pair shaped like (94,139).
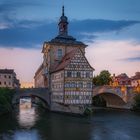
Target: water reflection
(27,114)
(26,135)
(30,123)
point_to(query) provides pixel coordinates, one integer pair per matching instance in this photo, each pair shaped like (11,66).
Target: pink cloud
(108,54)
(24,61)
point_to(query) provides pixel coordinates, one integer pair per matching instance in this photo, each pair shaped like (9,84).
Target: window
(80,84)
(87,97)
(89,85)
(69,74)
(87,74)
(67,85)
(5,76)
(78,74)
(0,83)
(59,53)
(4,83)
(9,77)
(73,84)
(91,74)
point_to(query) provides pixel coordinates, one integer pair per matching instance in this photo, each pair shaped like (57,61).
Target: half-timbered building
(67,72)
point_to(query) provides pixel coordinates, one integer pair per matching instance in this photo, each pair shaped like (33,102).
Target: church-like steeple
(63,11)
(63,24)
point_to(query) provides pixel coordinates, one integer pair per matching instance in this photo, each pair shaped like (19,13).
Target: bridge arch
(42,94)
(114,97)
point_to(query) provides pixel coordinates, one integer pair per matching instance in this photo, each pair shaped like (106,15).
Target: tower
(66,71)
(63,24)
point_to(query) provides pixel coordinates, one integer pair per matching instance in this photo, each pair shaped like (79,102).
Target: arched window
(59,53)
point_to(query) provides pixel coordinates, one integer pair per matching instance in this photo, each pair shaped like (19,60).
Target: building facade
(135,80)
(39,78)
(66,70)
(121,80)
(8,79)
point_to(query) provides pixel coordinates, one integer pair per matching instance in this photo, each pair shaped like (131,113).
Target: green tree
(103,78)
(6,99)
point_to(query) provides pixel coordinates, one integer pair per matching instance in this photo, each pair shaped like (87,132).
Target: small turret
(63,24)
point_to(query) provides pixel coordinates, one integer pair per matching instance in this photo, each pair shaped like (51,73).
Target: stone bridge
(114,96)
(41,93)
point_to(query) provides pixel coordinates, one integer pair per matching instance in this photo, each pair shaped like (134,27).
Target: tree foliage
(136,105)
(103,78)
(6,99)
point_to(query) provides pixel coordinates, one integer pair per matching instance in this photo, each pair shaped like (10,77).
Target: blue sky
(112,25)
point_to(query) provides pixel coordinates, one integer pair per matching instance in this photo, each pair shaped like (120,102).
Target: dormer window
(59,53)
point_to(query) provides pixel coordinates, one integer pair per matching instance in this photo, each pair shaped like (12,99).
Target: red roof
(64,62)
(136,77)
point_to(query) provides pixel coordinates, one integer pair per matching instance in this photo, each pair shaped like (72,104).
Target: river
(31,123)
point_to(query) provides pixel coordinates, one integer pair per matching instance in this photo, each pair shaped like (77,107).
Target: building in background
(8,79)
(121,80)
(135,80)
(65,70)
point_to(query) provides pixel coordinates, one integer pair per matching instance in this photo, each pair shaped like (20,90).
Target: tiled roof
(136,77)
(64,62)
(6,71)
(122,75)
(66,39)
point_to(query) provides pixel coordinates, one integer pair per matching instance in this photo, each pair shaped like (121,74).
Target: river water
(30,123)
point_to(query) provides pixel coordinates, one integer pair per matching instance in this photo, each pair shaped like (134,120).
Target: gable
(79,61)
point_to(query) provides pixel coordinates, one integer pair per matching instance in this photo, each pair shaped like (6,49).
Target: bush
(6,96)
(136,105)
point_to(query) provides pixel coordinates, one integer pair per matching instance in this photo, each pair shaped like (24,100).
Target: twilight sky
(111,28)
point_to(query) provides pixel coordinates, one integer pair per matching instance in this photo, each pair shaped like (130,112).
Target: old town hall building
(65,71)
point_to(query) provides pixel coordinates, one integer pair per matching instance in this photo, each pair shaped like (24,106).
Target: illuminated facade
(121,80)
(135,82)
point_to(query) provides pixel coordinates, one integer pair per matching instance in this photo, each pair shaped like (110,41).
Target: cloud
(101,54)
(101,25)
(104,54)
(24,61)
(131,59)
(4,26)
(27,33)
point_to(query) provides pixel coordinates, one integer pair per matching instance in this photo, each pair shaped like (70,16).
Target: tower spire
(63,23)
(63,11)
